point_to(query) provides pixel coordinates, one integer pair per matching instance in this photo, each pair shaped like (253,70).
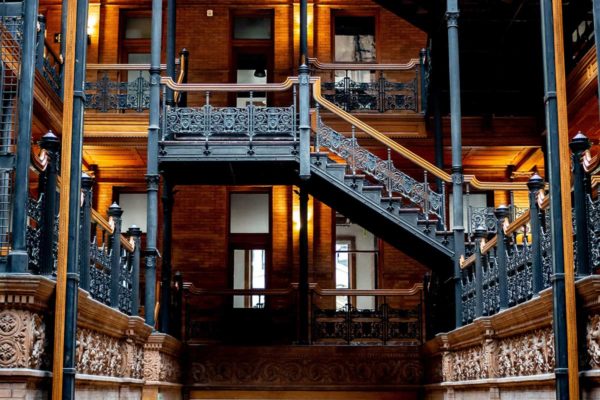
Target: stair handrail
(403,151)
(191,288)
(109,227)
(229,87)
(122,67)
(412,63)
(415,289)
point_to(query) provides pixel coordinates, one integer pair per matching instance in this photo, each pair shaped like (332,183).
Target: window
(138,27)
(355,263)
(355,39)
(253,27)
(250,244)
(134,206)
(135,38)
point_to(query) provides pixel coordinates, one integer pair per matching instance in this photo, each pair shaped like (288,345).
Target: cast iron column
(579,145)
(553,168)
(51,144)
(304,94)
(596,12)
(171,34)
(75,200)
(303,276)
(165,295)
(87,182)
(18,261)
(456,138)
(152,176)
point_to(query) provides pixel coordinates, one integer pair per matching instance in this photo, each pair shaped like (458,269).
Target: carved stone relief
(160,366)
(531,353)
(22,340)
(99,354)
(593,340)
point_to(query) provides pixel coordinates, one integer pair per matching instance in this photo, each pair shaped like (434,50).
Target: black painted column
(51,144)
(165,295)
(303,292)
(171,35)
(579,145)
(535,184)
(115,212)
(85,237)
(452,15)
(501,214)
(18,260)
(152,177)
(136,234)
(554,178)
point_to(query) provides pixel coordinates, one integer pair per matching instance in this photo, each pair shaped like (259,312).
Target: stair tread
(336,165)
(355,176)
(372,187)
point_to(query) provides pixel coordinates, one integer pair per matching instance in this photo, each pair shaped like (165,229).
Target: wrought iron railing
(377,316)
(47,61)
(375,87)
(396,182)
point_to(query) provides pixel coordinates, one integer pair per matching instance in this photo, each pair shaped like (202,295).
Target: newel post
(135,233)
(501,214)
(535,184)
(579,145)
(85,236)
(480,235)
(51,145)
(115,212)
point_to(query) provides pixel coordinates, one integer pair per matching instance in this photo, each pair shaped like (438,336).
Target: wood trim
(411,64)
(123,67)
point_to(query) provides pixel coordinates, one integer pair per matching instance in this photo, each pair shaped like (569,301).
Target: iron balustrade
(48,63)
(394,318)
(376,87)
(396,182)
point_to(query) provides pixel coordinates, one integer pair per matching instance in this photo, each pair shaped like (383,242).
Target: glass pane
(258,276)
(249,273)
(355,39)
(342,272)
(252,28)
(249,76)
(134,207)
(239,276)
(249,213)
(138,58)
(138,28)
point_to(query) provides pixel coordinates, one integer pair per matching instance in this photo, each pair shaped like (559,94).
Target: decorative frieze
(161,359)
(593,340)
(100,354)
(530,353)
(22,340)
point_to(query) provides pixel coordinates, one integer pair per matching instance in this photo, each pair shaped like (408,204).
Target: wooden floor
(300,395)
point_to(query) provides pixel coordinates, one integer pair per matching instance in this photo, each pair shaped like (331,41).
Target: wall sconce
(90,30)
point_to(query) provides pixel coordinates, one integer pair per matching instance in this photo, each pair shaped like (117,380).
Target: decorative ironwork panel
(100,272)
(231,122)
(593,210)
(34,232)
(419,194)
(51,72)
(126,286)
(468,295)
(366,326)
(483,216)
(546,240)
(519,271)
(400,95)
(403,325)
(491,289)
(330,325)
(107,95)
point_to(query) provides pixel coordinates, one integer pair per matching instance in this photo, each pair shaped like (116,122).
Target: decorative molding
(593,341)
(161,359)
(23,341)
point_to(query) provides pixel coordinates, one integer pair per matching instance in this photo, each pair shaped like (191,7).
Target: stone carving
(22,340)
(160,366)
(292,369)
(531,353)
(593,340)
(99,354)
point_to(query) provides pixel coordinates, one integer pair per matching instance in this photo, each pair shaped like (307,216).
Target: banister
(403,151)
(123,67)
(228,87)
(417,287)
(50,50)
(40,161)
(104,224)
(191,288)
(412,63)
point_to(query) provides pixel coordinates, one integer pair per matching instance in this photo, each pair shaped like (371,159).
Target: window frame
(356,13)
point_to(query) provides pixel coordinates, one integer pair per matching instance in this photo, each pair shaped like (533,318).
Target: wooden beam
(565,193)
(61,273)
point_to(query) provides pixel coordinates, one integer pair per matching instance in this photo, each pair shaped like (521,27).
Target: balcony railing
(48,62)
(375,87)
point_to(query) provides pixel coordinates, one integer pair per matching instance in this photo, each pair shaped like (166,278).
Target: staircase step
(336,170)
(373,192)
(319,159)
(355,181)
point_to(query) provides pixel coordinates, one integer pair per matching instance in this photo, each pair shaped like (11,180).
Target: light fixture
(260,73)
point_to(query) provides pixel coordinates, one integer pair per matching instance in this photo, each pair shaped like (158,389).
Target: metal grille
(11,34)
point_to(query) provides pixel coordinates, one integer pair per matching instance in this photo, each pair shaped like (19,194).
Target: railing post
(303,287)
(135,233)
(87,182)
(535,184)
(422,61)
(39,50)
(18,260)
(184,57)
(501,215)
(480,234)
(51,144)
(304,89)
(115,212)
(178,306)
(579,145)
